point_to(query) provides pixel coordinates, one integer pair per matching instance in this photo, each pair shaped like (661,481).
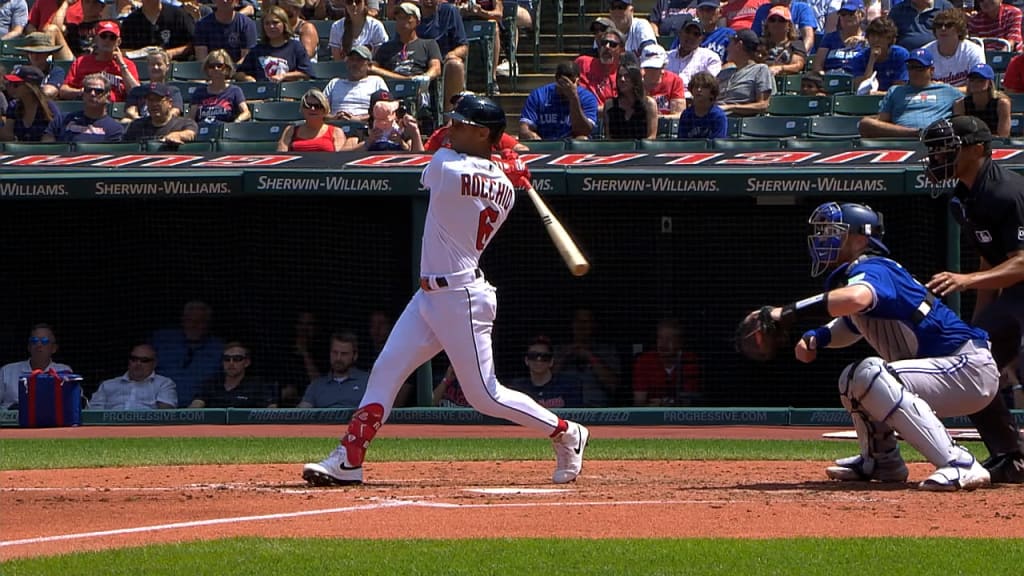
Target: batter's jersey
(470,198)
(893,325)
(993,212)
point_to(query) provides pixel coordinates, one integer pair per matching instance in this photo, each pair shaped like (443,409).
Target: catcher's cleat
(333,471)
(864,469)
(964,473)
(569,447)
(1006,468)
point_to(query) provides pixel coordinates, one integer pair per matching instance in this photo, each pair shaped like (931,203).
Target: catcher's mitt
(758,337)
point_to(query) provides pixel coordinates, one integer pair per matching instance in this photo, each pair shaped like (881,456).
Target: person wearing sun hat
(985,102)
(785,54)
(30,111)
(38,47)
(906,109)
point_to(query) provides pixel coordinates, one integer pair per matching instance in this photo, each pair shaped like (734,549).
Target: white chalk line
(373,506)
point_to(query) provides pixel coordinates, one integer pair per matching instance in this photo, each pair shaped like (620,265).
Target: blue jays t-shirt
(717,41)
(839,54)
(714,124)
(919,107)
(547,113)
(803,15)
(892,69)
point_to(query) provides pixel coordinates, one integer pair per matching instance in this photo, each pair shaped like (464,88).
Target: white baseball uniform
(454,310)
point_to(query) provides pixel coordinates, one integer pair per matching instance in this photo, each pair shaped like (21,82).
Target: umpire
(989,203)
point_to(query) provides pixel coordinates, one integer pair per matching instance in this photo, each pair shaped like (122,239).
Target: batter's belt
(456,280)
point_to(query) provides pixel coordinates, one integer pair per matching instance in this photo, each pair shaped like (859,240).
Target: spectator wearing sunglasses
(92,123)
(313,134)
(954,55)
(106,58)
(224,29)
(914,18)
(542,384)
(802,17)
(42,345)
(140,388)
(669,375)
(784,54)
(598,74)
(219,100)
(235,386)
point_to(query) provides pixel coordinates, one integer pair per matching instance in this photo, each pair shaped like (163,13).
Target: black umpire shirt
(994,212)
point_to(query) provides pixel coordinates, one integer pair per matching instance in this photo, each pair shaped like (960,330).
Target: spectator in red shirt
(668,375)
(996,20)
(665,86)
(439,138)
(598,74)
(106,59)
(739,14)
(1013,79)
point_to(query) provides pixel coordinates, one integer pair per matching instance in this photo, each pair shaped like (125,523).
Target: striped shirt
(1007,27)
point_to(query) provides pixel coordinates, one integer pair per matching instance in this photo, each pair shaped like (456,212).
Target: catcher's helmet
(479,111)
(830,224)
(944,138)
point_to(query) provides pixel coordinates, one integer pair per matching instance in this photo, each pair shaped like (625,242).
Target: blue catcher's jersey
(894,325)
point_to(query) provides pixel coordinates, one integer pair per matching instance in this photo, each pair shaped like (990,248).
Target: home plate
(955,433)
(512,490)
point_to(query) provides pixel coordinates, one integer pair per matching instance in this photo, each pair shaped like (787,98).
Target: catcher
(929,360)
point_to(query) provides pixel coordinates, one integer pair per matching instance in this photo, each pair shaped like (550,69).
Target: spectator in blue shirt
(225,29)
(562,109)
(913,20)
(189,355)
(837,48)
(804,20)
(279,57)
(883,58)
(716,38)
(703,119)
(38,47)
(29,112)
(442,23)
(908,109)
(92,123)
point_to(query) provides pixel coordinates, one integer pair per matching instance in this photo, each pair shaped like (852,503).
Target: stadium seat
(253,131)
(295,90)
(834,127)
(391,27)
(142,67)
(480,35)
(68,106)
(666,41)
(276,111)
(36,147)
(545,145)
(187,71)
(1016,103)
(402,89)
(323,28)
(351,127)
(672,145)
(837,83)
(1017,125)
(154,146)
(817,144)
(788,84)
(9,63)
(999,60)
(854,105)
(799,105)
(240,147)
(116,110)
(107,147)
(668,126)
(65,64)
(598,146)
(10,47)
(187,89)
(256,91)
(893,143)
(330,69)
(734,126)
(209,131)
(774,127)
(746,144)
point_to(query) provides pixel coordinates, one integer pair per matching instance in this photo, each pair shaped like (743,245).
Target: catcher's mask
(830,225)
(944,139)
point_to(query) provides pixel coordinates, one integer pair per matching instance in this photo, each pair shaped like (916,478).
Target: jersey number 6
(488,216)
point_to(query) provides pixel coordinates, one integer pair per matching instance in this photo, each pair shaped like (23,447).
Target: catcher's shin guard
(361,429)
(870,385)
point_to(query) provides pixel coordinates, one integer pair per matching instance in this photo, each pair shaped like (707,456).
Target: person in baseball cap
(747,86)
(29,74)
(664,86)
(909,108)
(985,102)
(25,90)
(106,58)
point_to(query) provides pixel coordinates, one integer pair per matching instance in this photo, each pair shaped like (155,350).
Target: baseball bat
(574,259)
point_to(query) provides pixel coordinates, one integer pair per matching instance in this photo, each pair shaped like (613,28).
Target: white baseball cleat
(569,447)
(964,473)
(864,469)
(333,471)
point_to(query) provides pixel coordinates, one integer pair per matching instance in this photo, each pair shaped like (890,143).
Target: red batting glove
(516,170)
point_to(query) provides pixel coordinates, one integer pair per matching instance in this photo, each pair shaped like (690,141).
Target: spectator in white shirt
(140,388)
(350,98)
(638,32)
(954,55)
(42,345)
(690,57)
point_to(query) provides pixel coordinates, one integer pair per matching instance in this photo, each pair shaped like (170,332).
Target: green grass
(28,454)
(521,557)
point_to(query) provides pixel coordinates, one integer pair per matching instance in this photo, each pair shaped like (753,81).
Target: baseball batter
(929,361)
(454,310)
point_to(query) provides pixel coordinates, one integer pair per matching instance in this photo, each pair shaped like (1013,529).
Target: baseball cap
(361,51)
(161,90)
(380,95)
(688,21)
(971,130)
(410,9)
(604,23)
(38,43)
(709,4)
(851,5)
(653,56)
(108,26)
(983,70)
(921,56)
(630,2)
(781,11)
(749,39)
(29,74)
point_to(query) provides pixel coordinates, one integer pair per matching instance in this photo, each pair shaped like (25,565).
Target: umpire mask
(943,146)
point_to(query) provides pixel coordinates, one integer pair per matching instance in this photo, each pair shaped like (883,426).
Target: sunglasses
(107,36)
(95,91)
(610,43)
(142,359)
(216,66)
(539,356)
(37,340)
(312,105)
(233,358)
(943,26)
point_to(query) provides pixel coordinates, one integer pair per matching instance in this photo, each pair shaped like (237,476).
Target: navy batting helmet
(831,222)
(479,111)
